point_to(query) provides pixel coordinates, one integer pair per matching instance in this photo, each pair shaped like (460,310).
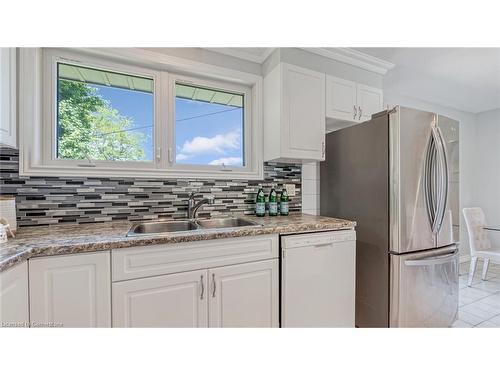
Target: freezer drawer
(318,279)
(424,288)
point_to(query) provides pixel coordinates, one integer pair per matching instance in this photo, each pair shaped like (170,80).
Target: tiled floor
(479,305)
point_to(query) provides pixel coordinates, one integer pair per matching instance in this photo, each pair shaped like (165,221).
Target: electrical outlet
(290,189)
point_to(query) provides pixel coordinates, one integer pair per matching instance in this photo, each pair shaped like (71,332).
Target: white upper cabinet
(8,129)
(340,98)
(71,290)
(370,101)
(348,102)
(14,310)
(294,114)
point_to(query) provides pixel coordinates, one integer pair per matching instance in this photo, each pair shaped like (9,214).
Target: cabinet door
(14,311)
(303,133)
(341,99)
(8,97)
(244,295)
(71,290)
(370,101)
(176,300)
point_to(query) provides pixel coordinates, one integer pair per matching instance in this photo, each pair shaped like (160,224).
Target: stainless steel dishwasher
(318,277)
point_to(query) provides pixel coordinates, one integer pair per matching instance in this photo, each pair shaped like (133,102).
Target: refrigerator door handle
(436,179)
(429,182)
(433,260)
(443,173)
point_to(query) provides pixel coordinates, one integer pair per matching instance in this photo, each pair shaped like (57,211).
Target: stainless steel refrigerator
(397,175)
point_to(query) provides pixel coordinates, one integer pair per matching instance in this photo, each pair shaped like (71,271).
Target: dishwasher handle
(317,239)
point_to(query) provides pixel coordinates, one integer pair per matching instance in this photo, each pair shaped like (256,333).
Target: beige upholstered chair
(480,245)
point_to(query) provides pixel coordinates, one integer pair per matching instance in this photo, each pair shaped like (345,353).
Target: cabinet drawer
(157,260)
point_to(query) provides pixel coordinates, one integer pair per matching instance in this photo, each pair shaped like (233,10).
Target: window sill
(156,173)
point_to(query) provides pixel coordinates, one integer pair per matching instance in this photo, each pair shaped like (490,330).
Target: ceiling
(467,79)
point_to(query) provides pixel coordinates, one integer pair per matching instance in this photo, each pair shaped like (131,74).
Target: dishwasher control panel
(317,238)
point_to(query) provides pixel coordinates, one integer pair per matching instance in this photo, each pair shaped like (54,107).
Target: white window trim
(49,111)
(37,103)
(223,86)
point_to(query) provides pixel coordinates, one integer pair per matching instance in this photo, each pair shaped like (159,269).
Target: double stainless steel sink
(161,227)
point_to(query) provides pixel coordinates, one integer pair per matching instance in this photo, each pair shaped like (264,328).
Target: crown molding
(240,53)
(353,57)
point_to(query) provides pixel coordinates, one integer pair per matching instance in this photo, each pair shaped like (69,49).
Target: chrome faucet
(193,207)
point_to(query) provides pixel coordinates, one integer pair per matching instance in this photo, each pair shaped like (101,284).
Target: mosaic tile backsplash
(55,200)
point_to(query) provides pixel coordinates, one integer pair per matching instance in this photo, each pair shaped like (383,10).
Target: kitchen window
(94,112)
(103,115)
(210,125)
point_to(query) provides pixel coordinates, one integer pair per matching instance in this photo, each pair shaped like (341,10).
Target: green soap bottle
(260,203)
(273,202)
(284,202)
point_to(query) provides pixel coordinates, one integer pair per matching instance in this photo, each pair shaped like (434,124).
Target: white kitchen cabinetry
(71,290)
(294,114)
(370,101)
(214,283)
(177,300)
(348,102)
(14,310)
(341,99)
(244,295)
(8,131)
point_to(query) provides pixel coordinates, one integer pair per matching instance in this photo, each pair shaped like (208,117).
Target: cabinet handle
(213,285)
(202,287)
(355,112)
(323,149)
(360,112)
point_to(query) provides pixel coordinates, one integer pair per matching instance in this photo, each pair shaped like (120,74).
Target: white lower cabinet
(70,290)
(215,283)
(177,300)
(14,308)
(245,295)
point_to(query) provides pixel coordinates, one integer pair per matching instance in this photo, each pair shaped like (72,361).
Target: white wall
(467,151)
(487,168)
(212,58)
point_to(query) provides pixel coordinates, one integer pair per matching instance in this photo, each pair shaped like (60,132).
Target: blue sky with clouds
(208,133)
(205,133)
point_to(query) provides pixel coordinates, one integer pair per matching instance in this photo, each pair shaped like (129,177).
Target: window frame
(49,132)
(247,118)
(38,113)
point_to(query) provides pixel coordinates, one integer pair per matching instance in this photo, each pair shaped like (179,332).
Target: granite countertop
(72,238)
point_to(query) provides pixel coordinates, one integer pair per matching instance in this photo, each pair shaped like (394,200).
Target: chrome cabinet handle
(213,285)
(360,112)
(202,287)
(323,149)
(355,113)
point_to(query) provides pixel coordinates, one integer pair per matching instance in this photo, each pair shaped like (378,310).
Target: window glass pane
(103,115)
(208,126)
